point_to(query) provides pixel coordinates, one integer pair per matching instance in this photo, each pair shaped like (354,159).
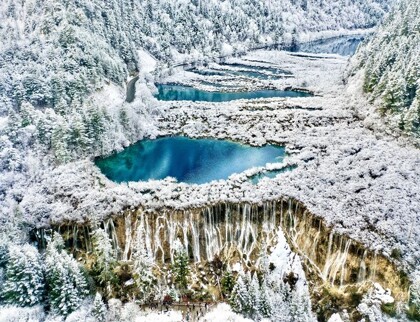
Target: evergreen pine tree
(66,284)
(240,297)
(413,309)
(265,306)
(105,259)
(24,283)
(143,265)
(14,123)
(27,113)
(59,142)
(254,298)
(228,283)
(180,269)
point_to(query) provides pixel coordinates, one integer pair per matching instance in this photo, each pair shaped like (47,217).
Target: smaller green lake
(188,160)
(185,93)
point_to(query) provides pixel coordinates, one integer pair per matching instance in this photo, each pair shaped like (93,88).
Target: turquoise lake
(185,93)
(188,160)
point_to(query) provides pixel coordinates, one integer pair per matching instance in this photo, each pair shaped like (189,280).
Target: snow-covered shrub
(114,310)
(129,312)
(379,305)
(170,316)
(83,313)
(223,312)
(18,314)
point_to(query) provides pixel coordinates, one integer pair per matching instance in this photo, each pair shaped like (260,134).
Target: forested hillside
(54,53)
(391,67)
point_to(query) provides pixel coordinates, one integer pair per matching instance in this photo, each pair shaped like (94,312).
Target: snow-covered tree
(105,258)
(67,286)
(228,283)
(181,269)
(265,303)
(254,298)
(142,267)
(24,282)
(390,61)
(414,300)
(99,310)
(240,297)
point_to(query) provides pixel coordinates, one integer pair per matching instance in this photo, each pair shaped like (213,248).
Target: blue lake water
(185,93)
(345,46)
(188,160)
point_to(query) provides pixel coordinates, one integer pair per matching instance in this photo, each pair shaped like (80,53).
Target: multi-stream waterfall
(241,233)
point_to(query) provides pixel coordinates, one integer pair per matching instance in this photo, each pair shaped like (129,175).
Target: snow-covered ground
(146,61)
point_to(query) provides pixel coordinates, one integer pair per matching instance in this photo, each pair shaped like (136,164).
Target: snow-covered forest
(55,54)
(87,43)
(333,237)
(390,65)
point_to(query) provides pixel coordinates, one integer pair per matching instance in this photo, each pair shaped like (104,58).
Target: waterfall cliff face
(241,233)
(231,232)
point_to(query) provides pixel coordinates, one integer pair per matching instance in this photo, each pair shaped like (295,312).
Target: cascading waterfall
(240,233)
(361,276)
(329,260)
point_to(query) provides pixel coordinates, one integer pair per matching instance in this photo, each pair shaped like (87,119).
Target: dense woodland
(391,66)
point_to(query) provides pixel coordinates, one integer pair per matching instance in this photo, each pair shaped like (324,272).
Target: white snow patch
(17,314)
(146,61)
(223,312)
(170,316)
(3,122)
(111,94)
(335,318)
